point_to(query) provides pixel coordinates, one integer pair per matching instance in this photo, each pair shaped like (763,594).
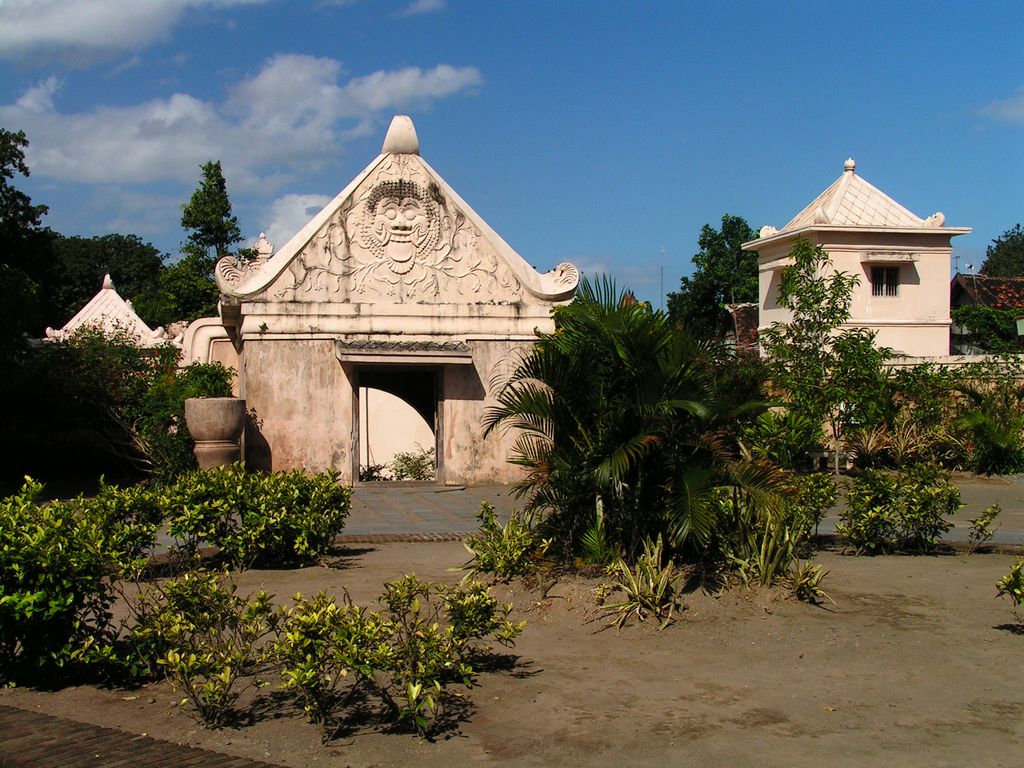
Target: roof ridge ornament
(401,137)
(108,284)
(849,166)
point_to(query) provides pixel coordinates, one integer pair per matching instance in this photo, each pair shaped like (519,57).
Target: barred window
(885,281)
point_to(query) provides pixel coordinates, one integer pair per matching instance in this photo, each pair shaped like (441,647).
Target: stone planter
(216,424)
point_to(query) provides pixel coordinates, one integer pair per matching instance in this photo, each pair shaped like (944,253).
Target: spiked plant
(651,589)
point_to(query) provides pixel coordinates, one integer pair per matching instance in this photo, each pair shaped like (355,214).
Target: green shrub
(504,550)
(1012,584)
(991,425)
(783,438)
(408,654)
(805,580)
(414,465)
(206,638)
(127,520)
(814,495)
(981,527)
(325,651)
(269,518)
(904,511)
(55,593)
(426,656)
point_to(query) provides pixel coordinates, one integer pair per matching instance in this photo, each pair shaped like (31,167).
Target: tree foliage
(133,265)
(827,374)
(24,245)
(187,287)
(1005,256)
(724,274)
(988,328)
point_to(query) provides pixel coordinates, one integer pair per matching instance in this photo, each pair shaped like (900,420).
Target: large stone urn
(216,424)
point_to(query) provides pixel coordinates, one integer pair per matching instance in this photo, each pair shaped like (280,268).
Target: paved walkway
(34,740)
(389,512)
(429,511)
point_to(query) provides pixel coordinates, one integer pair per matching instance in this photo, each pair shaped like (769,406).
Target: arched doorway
(397,423)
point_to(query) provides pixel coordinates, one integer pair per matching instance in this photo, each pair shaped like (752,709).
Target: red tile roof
(994,292)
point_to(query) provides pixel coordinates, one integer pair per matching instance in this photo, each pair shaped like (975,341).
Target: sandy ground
(917,665)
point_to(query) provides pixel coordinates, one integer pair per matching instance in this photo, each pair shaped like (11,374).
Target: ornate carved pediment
(397,238)
(397,234)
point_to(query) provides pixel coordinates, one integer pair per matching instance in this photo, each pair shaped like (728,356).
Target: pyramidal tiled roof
(109,312)
(852,202)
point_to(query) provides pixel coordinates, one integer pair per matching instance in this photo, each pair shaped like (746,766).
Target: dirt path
(918,665)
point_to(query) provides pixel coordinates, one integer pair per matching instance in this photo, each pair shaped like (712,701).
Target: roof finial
(401,137)
(849,165)
(108,284)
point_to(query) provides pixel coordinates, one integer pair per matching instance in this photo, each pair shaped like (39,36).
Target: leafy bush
(620,406)
(813,496)
(414,465)
(206,638)
(269,518)
(783,438)
(325,651)
(990,329)
(805,580)
(904,511)
(57,564)
(993,422)
(99,401)
(981,527)
(504,550)
(373,473)
(651,588)
(408,655)
(1012,584)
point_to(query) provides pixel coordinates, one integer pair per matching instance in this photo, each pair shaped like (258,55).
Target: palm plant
(615,412)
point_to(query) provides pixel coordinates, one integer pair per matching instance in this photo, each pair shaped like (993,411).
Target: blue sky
(602,133)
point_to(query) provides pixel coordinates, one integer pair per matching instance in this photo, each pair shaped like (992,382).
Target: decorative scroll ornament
(398,238)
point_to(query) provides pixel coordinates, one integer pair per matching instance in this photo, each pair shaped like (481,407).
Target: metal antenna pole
(661,305)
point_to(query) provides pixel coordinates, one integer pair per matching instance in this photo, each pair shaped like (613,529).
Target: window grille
(885,281)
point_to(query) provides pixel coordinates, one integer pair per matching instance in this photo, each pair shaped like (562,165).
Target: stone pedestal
(216,424)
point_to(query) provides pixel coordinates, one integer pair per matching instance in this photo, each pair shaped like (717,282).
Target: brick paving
(34,740)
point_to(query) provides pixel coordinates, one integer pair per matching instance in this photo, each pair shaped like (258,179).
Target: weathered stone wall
(301,401)
(469,457)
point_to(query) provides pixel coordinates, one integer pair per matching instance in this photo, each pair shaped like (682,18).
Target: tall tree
(724,274)
(212,229)
(187,287)
(827,374)
(1005,256)
(24,248)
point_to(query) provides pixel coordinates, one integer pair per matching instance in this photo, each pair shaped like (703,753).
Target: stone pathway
(380,512)
(34,740)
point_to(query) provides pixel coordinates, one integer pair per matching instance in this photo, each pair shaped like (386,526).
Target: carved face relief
(401,224)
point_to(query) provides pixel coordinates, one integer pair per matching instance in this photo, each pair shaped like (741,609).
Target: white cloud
(419,7)
(290,213)
(82,26)
(291,116)
(1009,110)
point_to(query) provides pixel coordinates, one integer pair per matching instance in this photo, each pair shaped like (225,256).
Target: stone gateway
(383,326)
